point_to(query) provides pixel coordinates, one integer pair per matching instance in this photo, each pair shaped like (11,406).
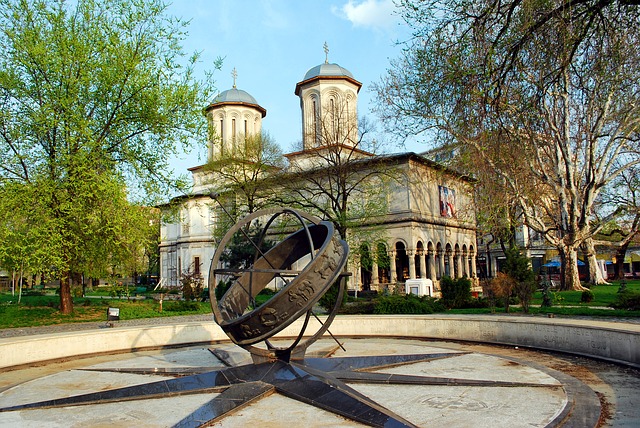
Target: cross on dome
(234,74)
(326,53)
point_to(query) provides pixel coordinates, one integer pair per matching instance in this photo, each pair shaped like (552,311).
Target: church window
(196,265)
(221,136)
(246,128)
(315,123)
(233,129)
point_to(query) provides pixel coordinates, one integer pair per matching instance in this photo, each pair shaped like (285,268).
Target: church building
(428,231)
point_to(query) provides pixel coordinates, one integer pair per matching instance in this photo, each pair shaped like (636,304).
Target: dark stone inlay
(233,398)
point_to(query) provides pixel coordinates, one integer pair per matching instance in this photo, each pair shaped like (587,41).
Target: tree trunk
(66,302)
(621,253)
(595,274)
(20,289)
(569,269)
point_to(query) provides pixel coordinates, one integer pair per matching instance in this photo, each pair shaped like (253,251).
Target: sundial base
(417,383)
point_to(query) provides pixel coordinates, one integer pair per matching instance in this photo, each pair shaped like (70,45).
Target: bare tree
(557,81)
(338,175)
(240,173)
(622,222)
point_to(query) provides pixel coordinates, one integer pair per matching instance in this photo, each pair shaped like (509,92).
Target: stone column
(458,265)
(432,266)
(412,264)
(441,256)
(375,280)
(356,277)
(452,266)
(423,263)
(474,272)
(464,259)
(494,266)
(392,267)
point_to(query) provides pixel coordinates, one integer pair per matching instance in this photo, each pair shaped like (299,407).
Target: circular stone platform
(470,385)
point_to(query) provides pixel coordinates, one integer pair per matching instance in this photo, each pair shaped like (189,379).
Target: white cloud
(378,14)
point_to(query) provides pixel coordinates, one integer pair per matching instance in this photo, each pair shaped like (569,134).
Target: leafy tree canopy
(95,96)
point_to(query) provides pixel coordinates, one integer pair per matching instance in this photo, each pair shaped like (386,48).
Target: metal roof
(327,70)
(234,95)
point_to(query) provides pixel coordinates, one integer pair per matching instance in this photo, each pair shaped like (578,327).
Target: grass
(603,295)
(43,310)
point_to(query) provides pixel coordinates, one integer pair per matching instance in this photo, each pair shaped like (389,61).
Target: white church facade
(427,232)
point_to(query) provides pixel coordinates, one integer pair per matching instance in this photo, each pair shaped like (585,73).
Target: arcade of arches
(388,267)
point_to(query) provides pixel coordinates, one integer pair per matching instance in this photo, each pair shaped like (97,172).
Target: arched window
(316,134)
(233,129)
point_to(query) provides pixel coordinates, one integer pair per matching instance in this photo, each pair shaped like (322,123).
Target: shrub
(407,304)
(524,292)
(358,307)
(181,306)
(587,296)
(479,303)
(222,288)
(629,300)
(455,292)
(328,300)
(502,286)
(192,285)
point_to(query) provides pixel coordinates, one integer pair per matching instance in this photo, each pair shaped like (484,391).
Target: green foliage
(180,306)
(587,296)
(517,266)
(456,293)
(244,170)
(547,295)
(407,304)
(96,95)
(222,288)
(241,252)
(628,300)
(264,296)
(328,300)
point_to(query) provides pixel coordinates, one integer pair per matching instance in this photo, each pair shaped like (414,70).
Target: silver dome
(327,70)
(235,95)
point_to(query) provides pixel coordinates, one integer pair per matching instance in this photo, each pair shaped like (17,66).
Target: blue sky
(272,44)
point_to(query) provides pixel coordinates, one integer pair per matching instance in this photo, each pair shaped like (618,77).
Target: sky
(272,44)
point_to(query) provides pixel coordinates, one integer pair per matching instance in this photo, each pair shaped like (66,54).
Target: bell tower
(328,99)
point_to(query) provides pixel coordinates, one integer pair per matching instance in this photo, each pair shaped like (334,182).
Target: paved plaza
(523,387)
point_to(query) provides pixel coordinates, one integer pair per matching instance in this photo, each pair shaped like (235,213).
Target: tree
(622,226)
(556,80)
(93,94)
(518,267)
(341,179)
(241,173)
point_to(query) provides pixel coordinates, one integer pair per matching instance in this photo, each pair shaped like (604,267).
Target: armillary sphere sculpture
(319,256)
(305,265)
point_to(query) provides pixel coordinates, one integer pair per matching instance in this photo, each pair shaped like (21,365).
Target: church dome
(234,95)
(238,97)
(326,69)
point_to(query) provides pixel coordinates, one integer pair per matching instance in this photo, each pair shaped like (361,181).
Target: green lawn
(603,295)
(43,310)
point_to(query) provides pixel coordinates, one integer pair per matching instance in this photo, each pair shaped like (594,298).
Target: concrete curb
(615,342)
